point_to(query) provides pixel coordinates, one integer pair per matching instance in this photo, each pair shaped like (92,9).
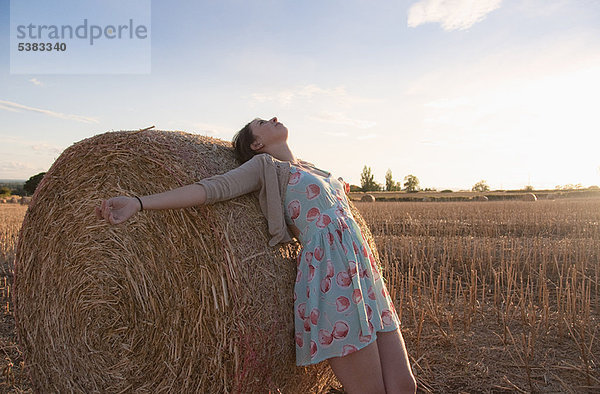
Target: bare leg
(360,372)
(397,374)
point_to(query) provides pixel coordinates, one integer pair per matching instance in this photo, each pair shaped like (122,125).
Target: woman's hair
(241,144)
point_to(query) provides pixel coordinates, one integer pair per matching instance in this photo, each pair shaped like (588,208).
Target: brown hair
(241,144)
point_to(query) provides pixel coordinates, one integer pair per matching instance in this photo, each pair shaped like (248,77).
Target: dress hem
(318,360)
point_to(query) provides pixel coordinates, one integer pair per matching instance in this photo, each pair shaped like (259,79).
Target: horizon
(452,93)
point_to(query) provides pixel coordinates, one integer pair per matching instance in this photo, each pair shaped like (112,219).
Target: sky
(451,91)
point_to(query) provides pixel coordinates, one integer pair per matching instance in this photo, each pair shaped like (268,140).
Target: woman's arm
(118,209)
(240,180)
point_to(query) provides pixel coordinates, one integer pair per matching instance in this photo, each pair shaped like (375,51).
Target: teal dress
(340,299)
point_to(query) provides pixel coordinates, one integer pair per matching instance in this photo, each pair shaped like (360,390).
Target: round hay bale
(529,197)
(481,198)
(25,200)
(187,300)
(368,198)
(13,200)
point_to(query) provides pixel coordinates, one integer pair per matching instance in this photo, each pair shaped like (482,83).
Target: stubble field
(493,296)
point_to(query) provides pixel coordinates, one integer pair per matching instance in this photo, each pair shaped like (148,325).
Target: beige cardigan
(264,173)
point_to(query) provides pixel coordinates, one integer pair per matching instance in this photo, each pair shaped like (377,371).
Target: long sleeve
(257,174)
(241,180)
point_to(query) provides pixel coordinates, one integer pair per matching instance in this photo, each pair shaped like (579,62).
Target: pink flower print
(343,225)
(369,311)
(325,337)
(342,304)
(330,270)
(340,329)
(364,338)
(294,208)
(339,234)
(386,317)
(371,293)
(323,221)
(294,178)
(314,316)
(345,249)
(311,272)
(298,259)
(318,253)
(325,284)
(312,191)
(371,328)
(343,279)
(307,292)
(340,212)
(307,324)
(308,257)
(299,340)
(313,214)
(313,349)
(330,238)
(298,276)
(295,296)
(301,309)
(356,296)
(347,349)
(355,247)
(351,268)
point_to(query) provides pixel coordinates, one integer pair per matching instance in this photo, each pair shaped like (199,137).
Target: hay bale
(529,197)
(427,199)
(25,200)
(481,198)
(13,200)
(189,300)
(368,198)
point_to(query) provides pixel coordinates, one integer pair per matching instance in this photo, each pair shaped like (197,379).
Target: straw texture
(188,300)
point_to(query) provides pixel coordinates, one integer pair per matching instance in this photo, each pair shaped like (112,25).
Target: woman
(342,310)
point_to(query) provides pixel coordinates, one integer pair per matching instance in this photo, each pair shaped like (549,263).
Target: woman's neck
(282,152)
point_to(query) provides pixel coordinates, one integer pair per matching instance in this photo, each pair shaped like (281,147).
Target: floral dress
(340,299)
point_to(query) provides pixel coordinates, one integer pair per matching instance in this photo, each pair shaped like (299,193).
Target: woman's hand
(118,209)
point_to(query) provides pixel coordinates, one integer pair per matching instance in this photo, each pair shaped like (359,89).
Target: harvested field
(493,297)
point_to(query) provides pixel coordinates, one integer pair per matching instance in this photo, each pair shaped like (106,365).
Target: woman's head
(258,136)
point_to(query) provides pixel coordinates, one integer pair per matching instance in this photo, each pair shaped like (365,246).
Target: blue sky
(452,91)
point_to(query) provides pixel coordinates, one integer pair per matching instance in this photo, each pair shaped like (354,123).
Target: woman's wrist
(138,200)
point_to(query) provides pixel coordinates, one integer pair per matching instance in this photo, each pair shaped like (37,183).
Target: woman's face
(267,133)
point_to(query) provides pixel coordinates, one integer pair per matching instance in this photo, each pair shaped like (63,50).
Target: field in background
(493,296)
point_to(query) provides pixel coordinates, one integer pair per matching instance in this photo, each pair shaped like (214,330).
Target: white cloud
(342,119)
(366,137)
(35,81)
(15,107)
(311,92)
(451,14)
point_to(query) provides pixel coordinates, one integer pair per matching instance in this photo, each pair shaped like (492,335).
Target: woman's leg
(360,372)
(395,367)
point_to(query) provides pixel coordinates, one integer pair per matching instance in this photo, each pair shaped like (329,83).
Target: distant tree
(5,191)
(367,180)
(389,182)
(411,183)
(355,188)
(446,191)
(33,182)
(593,187)
(528,188)
(390,185)
(481,186)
